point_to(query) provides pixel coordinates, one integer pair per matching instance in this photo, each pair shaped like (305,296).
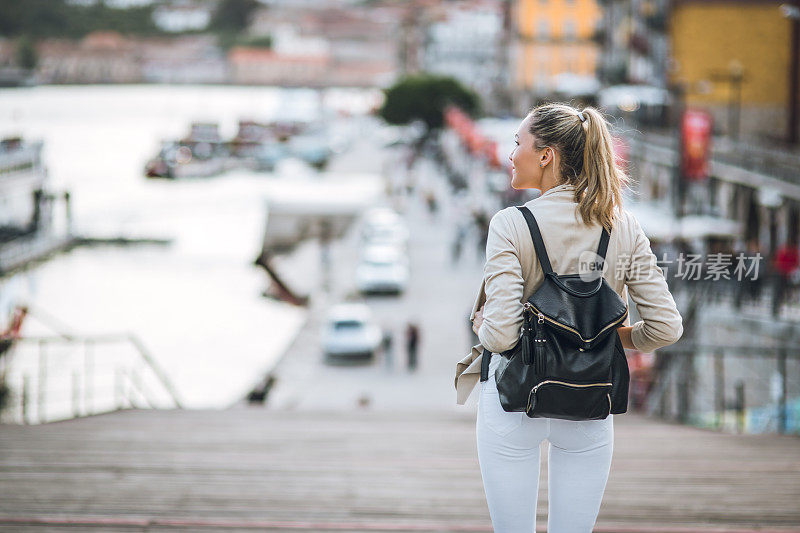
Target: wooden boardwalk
(256,469)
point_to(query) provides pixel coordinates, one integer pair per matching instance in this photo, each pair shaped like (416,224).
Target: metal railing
(765,296)
(743,389)
(18,252)
(776,163)
(40,377)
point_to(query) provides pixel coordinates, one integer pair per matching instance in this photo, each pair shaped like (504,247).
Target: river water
(197,304)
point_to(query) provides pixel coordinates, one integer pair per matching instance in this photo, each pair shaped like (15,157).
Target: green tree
(55,18)
(424,97)
(233,15)
(227,40)
(265,41)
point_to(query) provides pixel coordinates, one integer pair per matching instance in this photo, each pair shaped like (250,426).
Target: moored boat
(22,182)
(202,153)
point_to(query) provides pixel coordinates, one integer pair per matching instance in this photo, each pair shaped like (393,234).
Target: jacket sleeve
(503,285)
(661,323)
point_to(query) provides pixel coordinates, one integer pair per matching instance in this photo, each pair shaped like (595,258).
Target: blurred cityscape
(252,231)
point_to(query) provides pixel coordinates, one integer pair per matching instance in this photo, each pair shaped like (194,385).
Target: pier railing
(742,389)
(67,376)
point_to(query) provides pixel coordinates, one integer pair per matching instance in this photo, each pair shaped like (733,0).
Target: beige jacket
(512,273)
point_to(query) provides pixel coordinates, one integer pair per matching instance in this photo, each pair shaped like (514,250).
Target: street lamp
(737,75)
(678,90)
(792,12)
(734,75)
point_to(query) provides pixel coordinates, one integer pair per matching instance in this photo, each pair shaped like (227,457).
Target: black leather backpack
(569,362)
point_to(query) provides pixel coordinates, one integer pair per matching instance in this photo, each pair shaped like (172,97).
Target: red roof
(243,54)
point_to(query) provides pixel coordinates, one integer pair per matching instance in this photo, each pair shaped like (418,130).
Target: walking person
(386,345)
(568,155)
(784,262)
(431,202)
(412,342)
(481,221)
(748,286)
(458,243)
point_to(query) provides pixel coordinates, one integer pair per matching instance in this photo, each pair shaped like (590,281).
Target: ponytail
(601,178)
(588,160)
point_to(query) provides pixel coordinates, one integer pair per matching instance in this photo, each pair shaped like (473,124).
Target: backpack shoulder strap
(485,364)
(603,247)
(536,236)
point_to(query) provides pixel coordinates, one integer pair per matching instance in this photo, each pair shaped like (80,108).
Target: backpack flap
(586,320)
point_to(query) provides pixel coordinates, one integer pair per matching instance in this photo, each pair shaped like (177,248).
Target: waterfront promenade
(373,448)
(255,469)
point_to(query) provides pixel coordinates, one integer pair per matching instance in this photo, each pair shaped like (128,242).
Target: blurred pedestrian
(430,200)
(410,157)
(386,345)
(481,220)
(748,288)
(458,243)
(412,342)
(680,280)
(784,263)
(721,275)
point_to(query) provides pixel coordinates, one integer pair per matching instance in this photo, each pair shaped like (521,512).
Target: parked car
(381,225)
(381,215)
(350,334)
(267,156)
(313,147)
(382,268)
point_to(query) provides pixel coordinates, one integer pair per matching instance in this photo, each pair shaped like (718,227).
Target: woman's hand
(478,320)
(625,337)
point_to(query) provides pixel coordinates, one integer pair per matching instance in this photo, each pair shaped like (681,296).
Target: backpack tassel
(525,340)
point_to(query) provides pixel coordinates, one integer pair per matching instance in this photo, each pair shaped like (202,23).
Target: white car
(391,235)
(350,334)
(381,215)
(381,225)
(383,268)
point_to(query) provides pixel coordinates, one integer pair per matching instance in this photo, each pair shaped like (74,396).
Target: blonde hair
(587,154)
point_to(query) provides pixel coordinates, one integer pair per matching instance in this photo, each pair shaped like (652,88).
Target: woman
(568,155)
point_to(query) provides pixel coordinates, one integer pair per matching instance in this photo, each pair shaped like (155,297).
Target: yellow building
(553,37)
(712,41)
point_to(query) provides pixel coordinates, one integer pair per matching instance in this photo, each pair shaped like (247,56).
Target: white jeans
(579,461)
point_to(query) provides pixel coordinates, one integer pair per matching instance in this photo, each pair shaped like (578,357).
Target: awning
(659,223)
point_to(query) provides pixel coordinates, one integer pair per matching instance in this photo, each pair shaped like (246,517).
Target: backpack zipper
(570,384)
(539,341)
(533,390)
(542,316)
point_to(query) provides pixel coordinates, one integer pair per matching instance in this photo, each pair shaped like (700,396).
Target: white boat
(22,174)
(26,206)
(200,154)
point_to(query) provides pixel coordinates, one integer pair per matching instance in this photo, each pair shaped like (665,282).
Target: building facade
(552,38)
(465,43)
(734,58)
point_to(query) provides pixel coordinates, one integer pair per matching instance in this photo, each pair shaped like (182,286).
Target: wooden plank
(368,469)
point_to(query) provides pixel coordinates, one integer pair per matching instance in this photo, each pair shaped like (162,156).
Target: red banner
(696,129)
(477,144)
